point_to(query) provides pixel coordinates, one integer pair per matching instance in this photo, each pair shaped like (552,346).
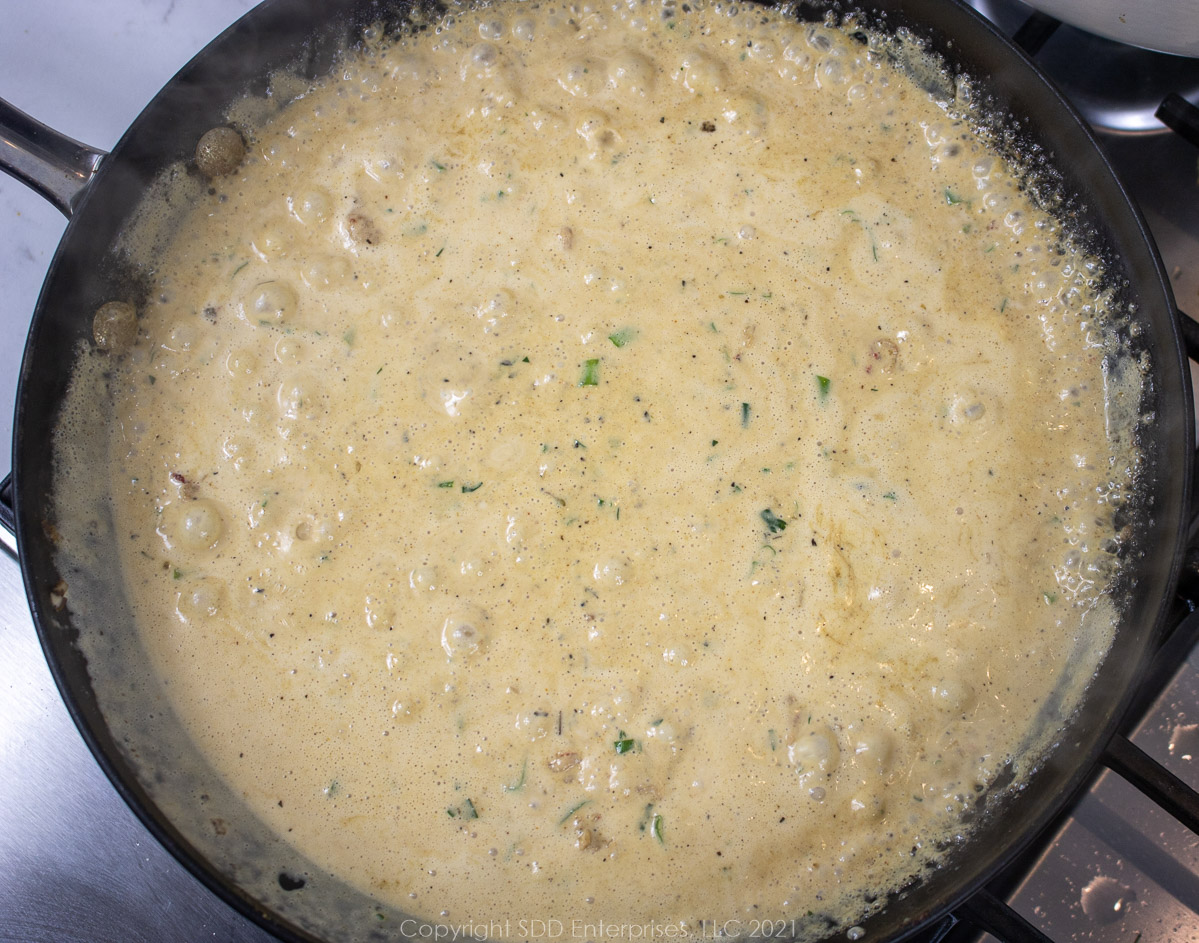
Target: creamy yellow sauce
(594,465)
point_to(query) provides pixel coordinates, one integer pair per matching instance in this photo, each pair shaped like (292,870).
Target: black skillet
(137,740)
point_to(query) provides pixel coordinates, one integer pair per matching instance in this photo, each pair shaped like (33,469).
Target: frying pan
(130,727)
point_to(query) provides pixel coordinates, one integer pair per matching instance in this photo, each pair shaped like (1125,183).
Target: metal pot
(1164,25)
(132,730)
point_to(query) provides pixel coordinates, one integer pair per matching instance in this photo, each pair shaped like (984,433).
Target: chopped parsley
(775,524)
(466,810)
(571,811)
(651,821)
(520,783)
(590,375)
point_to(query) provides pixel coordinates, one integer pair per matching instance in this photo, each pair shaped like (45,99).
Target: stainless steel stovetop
(76,865)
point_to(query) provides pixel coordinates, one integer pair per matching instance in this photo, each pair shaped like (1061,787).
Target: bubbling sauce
(618,463)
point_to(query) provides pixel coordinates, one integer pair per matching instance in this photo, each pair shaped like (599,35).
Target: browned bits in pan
(114,326)
(58,595)
(883,356)
(51,532)
(187,489)
(362,229)
(220,152)
(583,835)
(566,760)
(587,834)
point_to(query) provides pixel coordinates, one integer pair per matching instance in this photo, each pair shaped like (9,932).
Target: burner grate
(1114,86)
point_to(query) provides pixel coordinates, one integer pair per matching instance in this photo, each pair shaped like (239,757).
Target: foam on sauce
(593,464)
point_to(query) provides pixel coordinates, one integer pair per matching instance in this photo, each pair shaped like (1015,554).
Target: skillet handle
(52,164)
(8,517)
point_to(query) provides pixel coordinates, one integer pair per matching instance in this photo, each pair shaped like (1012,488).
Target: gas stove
(76,865)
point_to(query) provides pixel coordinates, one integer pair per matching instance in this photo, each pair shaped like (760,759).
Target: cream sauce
(593,465)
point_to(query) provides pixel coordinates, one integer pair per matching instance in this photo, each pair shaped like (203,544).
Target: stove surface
(76,865)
